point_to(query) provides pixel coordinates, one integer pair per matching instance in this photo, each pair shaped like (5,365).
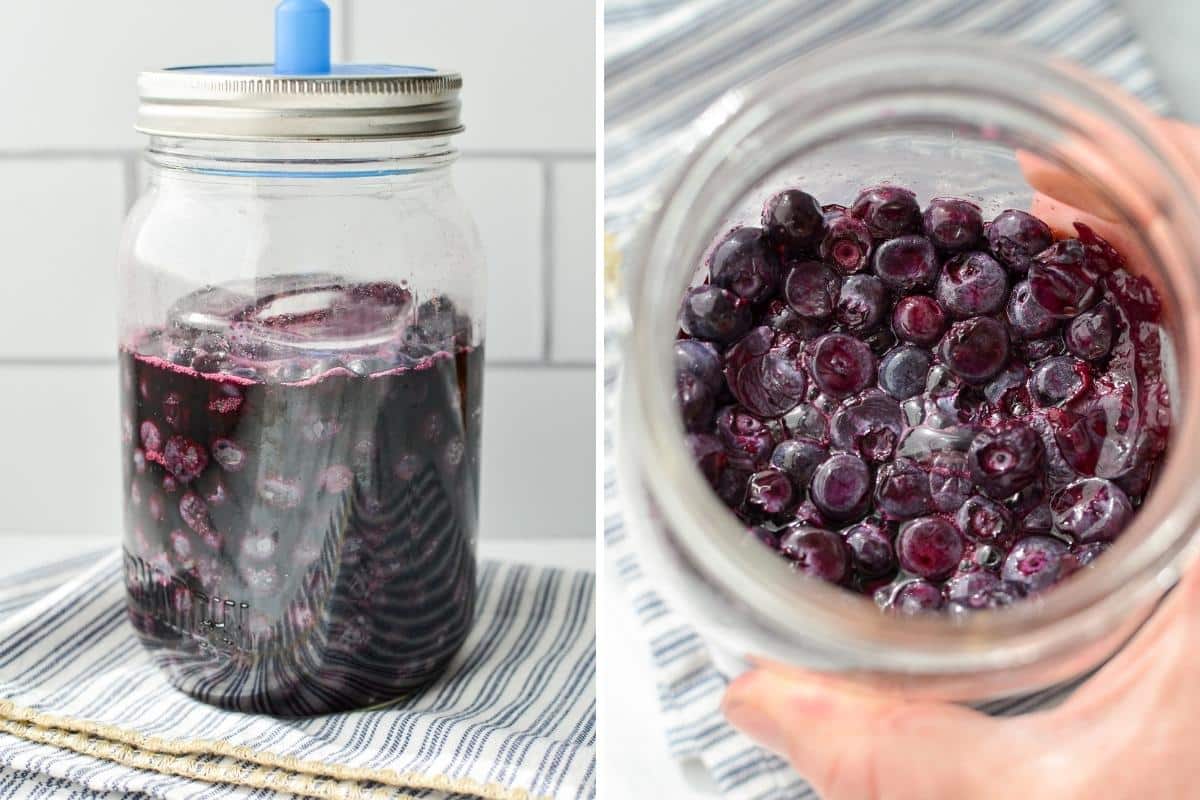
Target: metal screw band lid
(252,103)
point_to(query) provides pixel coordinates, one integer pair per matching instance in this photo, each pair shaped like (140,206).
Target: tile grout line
(539,155)
(345,38)
(548,242)
(129,167)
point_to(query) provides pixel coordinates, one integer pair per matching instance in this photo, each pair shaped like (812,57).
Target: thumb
(853,743)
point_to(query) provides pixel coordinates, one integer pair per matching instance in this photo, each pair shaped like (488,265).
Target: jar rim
(772,613)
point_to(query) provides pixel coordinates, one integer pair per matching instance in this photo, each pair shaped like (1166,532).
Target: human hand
(1128,732)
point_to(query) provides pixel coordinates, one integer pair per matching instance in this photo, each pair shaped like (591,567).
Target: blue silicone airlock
(302,38)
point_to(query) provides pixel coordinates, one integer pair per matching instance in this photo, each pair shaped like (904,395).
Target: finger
(851,742)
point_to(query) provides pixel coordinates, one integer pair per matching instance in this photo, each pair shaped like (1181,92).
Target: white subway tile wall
(69,165)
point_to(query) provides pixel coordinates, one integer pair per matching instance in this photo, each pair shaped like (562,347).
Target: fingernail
(757,724)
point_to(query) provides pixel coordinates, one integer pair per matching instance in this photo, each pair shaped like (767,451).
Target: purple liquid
(301,525)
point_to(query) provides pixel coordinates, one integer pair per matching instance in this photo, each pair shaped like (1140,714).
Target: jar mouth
(976,91)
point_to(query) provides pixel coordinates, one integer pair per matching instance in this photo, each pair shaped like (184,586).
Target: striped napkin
(665,62)
(84,713)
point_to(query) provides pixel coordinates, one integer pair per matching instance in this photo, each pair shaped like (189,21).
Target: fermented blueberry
(977,407)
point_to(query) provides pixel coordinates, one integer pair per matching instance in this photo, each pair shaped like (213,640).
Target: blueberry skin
(906,263)
(929,547)
(817,553)
(742,264)
(952,223)
(794,222)
(714,314)
(1035,563)
(887,211)
(919,320)
(1005,459)
(904,370)
(972,284)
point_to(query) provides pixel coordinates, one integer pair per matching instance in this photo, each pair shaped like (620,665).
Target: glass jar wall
(301,358)
(941,120)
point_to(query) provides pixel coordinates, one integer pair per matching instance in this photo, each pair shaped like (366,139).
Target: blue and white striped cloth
(513,719)
(665,62)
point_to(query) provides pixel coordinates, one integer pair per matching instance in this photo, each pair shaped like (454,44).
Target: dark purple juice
(302,493)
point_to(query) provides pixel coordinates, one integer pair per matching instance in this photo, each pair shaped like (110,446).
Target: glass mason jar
(942,120)
(301,372)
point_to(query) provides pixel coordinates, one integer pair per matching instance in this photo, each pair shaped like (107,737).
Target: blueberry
(929,547)
(765,372)
(984,520)
(708,452)
(765,535)
(1059,380)
(841,365)
(184,458)
(696,401)
(841,487)
(208,363)
(919,319)
(799,458)
(949,480)
(870,549)
(880,341)
(1007,390)
(779,316)
(770,492)
(972,284)
(794,222)
(700,359)
(182,356)
(194,512)
(229,455)
(869,425)
(1016,237)
(1034,350)
(906,263)
(742,264)
(1026,318)
(1091,510)
(817,553)
(904,370)
(975,349)
(1060,282)
(914,597)
(1035,563)
(1005,459)
(151,437)
(847,244)
(747,439)
(888,211)
(812,290)
(861,303)
(953,224)
(970,590)
(807,514)
(365,367)
(1082,556)
(1090,335)
(902,490)
(712,313)
(806,420)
